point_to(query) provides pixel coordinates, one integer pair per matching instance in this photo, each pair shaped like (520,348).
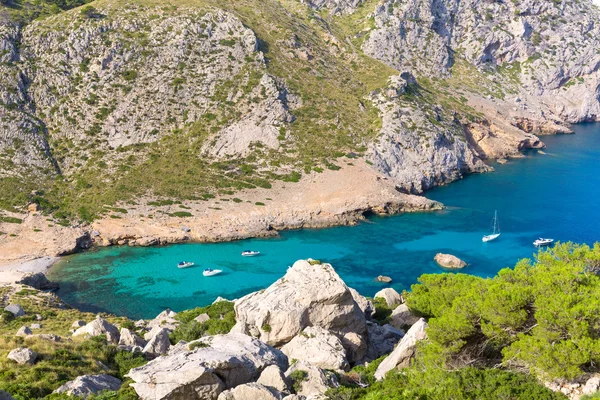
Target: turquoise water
(554,195)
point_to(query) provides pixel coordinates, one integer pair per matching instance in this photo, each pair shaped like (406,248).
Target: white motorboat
(496,232)
(542,242)
(211,272)
(185,264)
(250,253)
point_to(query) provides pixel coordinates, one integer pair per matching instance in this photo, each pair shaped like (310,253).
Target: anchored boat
(250,253)
(496,232)
(542,242)
(185,264)
(211,272)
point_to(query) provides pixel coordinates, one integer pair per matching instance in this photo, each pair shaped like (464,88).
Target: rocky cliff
(216,95)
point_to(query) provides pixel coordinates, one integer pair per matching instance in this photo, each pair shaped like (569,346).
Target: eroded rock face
(38,281)
(86,385)
(308,295)
(158,344)
(449,261)
(318,347)
(316,382)
(273,377)
(382,340)
(402,318)
(130,339)
(404,351)
(203,373)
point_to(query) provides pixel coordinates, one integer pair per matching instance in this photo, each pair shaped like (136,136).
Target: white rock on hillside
(159,344)
(98,327)
(86,385)
(391,297)
(22,355)
(382,340)
(250,391)
(363,303)
(203,373)
(15,309)
(318,347)
(130,339)
(24,331)
(165,319)
(317,380)
(308,295)
(402,317)
(402,354)
(273,377)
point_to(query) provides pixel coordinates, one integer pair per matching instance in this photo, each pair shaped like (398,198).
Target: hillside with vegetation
(106,102)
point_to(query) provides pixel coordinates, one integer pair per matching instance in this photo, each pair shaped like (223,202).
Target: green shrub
(181,214)
(297,377)
(126,360)
(382,311)
(266,327)
(222,319)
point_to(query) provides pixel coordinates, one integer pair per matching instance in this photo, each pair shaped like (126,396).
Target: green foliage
(382,311)
(544,315)
(10,220)
(126,360)
(88,11)
(222,319)
(466,383)
(181,214)
(297,377)
(266,327)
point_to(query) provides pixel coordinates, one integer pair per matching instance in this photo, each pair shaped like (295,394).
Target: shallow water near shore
(554,195)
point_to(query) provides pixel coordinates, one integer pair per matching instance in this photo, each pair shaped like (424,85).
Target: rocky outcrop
(273,377)
(15,309)
(158,344)
(310,294)
(318,347)
(38,281)
(24,331)
(402,317)
(98,327)
(250,391)
(216,363)
(314,382)
(392,297)
(449,261)
(384,279)
(382,340)
(404,351)
(129,339)
(22,355)
(87,385)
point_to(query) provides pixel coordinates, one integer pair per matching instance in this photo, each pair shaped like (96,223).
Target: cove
(553,195)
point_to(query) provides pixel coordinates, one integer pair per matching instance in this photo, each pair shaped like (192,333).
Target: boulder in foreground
(404,351)
(310,294)
(215,364)
(449,261)
(87,385)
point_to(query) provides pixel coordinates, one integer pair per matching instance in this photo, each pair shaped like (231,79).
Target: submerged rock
(86,385)
(449,261)
(383,278)
(309,294)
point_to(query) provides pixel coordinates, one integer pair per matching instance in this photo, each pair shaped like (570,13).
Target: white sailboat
(496,233)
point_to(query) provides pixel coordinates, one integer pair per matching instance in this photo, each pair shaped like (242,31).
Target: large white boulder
(86,385)
(402,318)
(313,382)
(391,297)
(402,354)
(22,355)
(319,347)
(165,319)
(130,339)
(24,331)
(98,327)
(15,309)
(221,362)
(449,261)
(250,391)
(310,294)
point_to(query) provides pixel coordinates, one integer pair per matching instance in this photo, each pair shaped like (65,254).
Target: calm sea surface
(555,195)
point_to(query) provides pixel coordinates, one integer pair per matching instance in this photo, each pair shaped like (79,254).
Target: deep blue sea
(555,195)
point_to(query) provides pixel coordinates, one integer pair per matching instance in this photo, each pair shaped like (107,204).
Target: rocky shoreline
(331,198)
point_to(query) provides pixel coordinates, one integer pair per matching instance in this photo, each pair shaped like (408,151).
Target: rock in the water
(382,340)
(98,327)
(38,281)
(315,381)
(24,331)
(250,391)
(130,339)
(402,318)
(402,354)
(22,355)
(202,318)
(309,294)
(159,344)
(86,385)
(318,347)
(391,297)
(383,278)
(449,261)
(224,362)
(273,377)
(502,161)
(15,309)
